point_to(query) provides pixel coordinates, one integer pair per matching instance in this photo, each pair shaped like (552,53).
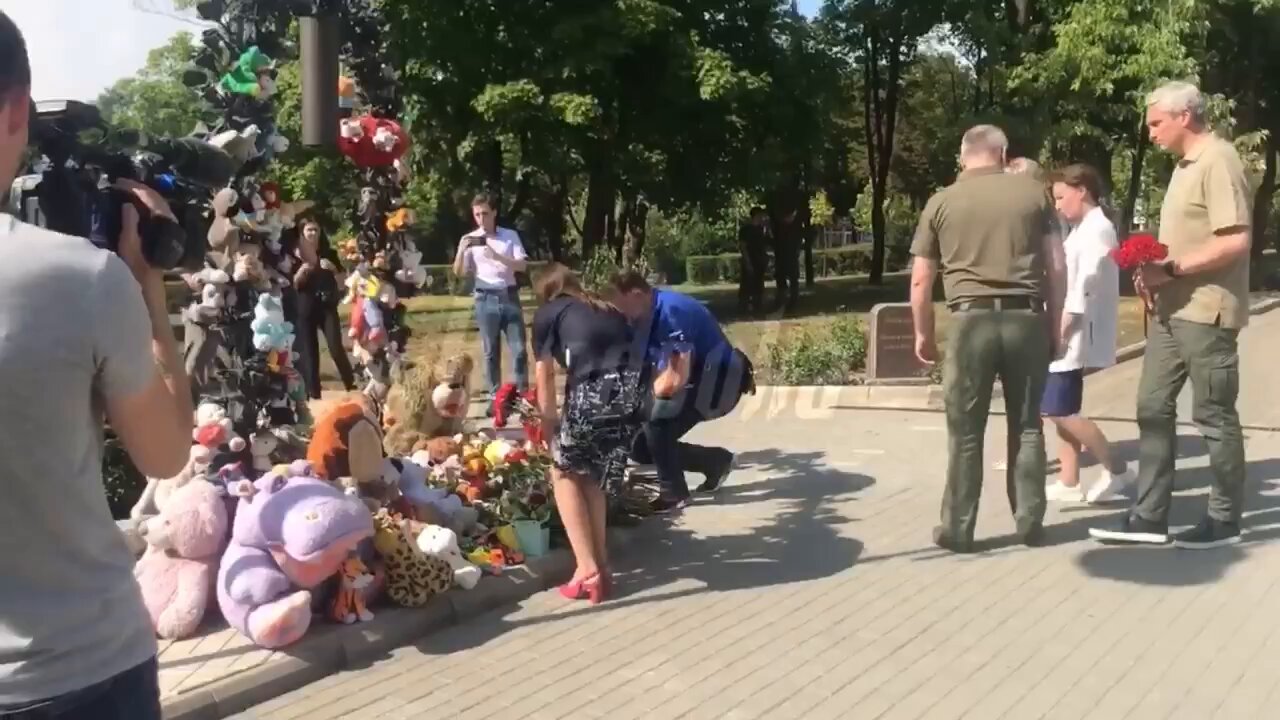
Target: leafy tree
(155,100)
(881,37)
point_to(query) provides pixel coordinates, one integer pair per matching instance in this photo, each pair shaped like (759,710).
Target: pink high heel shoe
(593,589)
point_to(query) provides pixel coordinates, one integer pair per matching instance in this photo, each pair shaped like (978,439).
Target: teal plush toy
(243,78)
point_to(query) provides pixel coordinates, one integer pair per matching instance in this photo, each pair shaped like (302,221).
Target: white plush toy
(213,295)
(241,145)
(261,445)
(443,543)
(411,271)
(213,428)
(384,139)
(350,129)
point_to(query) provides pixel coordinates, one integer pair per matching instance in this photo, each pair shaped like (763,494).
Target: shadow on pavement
(801,542)
(1167,566)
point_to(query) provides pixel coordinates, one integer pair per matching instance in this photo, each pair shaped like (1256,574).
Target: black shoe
(946,542)
(717,475)
(1133,529)
(1033,537)
(664,504)
(1208,534)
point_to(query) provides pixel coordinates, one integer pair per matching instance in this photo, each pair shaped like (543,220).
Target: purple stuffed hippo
(291,532)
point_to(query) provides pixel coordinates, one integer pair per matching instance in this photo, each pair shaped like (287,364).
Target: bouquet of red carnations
(1139,249)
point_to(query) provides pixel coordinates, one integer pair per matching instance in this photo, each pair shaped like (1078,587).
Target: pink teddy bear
(178,570)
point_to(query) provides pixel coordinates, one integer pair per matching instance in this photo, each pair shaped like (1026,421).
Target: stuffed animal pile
(273,520)
(355,519)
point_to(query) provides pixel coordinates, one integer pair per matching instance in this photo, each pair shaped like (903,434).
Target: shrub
(121,481)
(702,269)
(835,262)
(826,356)
(602,266)
(444,282)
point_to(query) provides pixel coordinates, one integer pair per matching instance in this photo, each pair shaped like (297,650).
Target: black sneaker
(664,504)
(1034,537)
(1133,529)
(1208,534)
(715,478)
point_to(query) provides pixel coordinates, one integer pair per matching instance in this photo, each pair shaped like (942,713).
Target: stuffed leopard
(413,578)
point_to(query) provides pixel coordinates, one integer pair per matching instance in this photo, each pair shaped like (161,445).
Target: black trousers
(315,317)
(132,695)
(751,282)
(786,260)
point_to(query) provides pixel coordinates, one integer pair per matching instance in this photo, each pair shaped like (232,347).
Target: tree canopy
(591,121)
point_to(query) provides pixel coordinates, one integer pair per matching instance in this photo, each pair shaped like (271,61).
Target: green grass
(445,324)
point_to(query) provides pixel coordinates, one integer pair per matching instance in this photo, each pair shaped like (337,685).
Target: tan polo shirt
(987,232)
(1208,192)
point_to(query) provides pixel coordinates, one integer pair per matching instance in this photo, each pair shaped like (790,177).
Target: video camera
(79,158)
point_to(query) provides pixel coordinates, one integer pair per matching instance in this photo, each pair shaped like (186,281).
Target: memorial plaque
(891,347)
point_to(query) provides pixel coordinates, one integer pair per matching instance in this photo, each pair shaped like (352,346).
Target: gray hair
(1179,97)
(984,140)
(1025,166)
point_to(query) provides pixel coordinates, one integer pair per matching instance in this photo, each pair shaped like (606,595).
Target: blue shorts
(1063,394)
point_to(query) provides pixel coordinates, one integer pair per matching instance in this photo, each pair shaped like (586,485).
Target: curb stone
(330,649)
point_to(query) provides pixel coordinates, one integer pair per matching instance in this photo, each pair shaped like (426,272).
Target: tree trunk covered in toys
(387,495)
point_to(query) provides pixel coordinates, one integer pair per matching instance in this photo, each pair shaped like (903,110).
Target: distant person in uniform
(753,245)
(1089,331)
(993,236)
(787,239)
(1201,302)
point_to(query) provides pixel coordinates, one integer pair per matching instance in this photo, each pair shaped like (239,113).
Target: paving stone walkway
(809,589)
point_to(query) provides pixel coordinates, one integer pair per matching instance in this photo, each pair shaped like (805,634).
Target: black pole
(319,45)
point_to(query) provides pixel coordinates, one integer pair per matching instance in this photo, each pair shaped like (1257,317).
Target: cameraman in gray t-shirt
(82,331)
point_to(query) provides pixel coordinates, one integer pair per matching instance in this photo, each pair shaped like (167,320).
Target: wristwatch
(1170,268)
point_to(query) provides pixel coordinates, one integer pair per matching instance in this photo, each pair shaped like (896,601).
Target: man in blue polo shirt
(681,332)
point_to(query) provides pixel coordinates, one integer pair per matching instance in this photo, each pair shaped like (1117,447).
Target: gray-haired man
(1201,302)
(994,236)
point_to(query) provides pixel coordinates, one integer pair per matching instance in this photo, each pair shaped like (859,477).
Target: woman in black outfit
(591,340)
(318,288)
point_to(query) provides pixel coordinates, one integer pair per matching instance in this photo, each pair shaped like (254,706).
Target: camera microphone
(195,161)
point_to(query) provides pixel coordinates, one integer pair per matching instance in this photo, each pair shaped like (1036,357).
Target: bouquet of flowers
(509,401)
(1137,250)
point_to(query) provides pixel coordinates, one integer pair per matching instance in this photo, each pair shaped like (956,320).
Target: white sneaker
(1109,486)
(1057,492)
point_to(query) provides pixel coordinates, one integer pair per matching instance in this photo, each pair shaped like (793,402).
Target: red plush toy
(508,401)
(372,142)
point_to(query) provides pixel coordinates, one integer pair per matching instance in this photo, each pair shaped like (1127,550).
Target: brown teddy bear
(223,235)
(346,449)
(428,400)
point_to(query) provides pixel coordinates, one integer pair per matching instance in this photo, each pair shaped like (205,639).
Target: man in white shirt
(494,255)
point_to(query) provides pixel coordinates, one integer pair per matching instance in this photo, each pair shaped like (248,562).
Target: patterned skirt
(599,421)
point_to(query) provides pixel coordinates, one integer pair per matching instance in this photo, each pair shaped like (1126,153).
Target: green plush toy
(243,78)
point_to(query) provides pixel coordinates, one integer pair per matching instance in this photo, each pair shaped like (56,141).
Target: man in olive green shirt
(994,235)
(1200,298)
